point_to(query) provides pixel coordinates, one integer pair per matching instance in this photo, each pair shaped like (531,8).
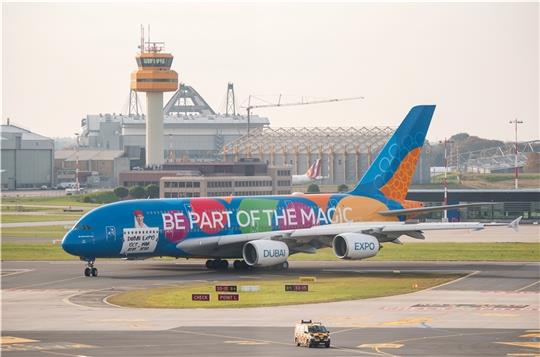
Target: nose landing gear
(90,270)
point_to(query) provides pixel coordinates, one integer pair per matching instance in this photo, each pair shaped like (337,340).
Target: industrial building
(214,186)
(27,158)
(192,129)
(345,153)
(246,177)
(96,167)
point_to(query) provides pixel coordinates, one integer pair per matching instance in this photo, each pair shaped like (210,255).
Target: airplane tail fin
(393,169)
(314,170)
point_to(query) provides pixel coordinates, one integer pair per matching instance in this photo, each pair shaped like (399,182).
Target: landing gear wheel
(210,264)
(240,265)
(90,270)
(285,266)
(223,264)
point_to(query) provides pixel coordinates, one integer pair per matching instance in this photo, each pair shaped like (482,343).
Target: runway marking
(46,283)
(8,340)
(527,286)
(62,354)
(531,344)
(498,315)
(378,346)
(9,272)
(450,335)
(453,281)
(533,334)
(247,342)
(419,320)
(43,347)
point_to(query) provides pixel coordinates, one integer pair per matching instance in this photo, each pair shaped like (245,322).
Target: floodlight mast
(250,107)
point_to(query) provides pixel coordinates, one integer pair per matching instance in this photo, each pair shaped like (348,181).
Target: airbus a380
(261,231)
(312,174)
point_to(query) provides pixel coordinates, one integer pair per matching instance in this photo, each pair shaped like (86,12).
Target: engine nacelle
(263,253)
(355,246)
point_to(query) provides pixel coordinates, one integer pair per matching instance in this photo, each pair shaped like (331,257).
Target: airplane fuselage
(160,227)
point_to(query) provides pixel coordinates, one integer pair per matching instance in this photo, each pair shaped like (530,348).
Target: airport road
(492,311)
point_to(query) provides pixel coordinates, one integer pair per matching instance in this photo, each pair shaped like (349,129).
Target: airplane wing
(420,210)
(308,240)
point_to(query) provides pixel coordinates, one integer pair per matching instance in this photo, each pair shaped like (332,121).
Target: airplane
(263,231)
(312,174)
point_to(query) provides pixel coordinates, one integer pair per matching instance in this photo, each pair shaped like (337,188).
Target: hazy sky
(478,62)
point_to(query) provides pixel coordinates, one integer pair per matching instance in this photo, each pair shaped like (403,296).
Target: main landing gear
(240,265)
(217,264)
(90,270)
(223,264)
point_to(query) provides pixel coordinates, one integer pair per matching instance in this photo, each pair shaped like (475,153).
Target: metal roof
(25,134)
(309,140)
(71,155)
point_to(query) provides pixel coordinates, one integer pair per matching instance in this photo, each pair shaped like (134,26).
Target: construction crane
(250,107)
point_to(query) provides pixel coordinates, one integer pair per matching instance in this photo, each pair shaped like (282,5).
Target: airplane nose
(68,243)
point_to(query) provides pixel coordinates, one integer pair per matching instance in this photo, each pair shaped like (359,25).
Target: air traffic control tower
(154,77)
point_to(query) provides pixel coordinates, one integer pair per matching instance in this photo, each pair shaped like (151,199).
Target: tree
(343,188)
(137,192)
(152,191)
(121,192)
(313,188)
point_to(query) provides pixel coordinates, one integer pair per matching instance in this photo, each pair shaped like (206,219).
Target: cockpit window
(83,227)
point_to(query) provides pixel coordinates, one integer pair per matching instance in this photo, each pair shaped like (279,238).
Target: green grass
(18,218)
(503,177)
(518,252)
(22,208)
(53,232)
(326,288)
(73,200)
(34,251)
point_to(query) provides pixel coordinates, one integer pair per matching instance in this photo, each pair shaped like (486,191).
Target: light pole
(445,214)
(516,122)
(77,185)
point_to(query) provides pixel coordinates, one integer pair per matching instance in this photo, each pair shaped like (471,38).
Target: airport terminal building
(511,204)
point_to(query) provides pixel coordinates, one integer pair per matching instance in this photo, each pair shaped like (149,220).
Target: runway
(50,308)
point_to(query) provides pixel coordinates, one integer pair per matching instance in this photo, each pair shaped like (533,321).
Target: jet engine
(355,246)
(263,253)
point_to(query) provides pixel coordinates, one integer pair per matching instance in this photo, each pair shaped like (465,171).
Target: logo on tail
(393,169)
(314,170)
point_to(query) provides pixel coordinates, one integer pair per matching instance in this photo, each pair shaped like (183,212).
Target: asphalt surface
(273,341)
(49,308)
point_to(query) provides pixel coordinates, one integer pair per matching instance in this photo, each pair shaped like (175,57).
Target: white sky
(478,62)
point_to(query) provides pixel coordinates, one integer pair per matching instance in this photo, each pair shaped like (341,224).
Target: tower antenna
(142,39)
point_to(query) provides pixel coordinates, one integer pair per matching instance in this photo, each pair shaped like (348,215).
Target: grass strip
(54,232)
(73,200)
(20,218)
(34,251)
(272,292)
